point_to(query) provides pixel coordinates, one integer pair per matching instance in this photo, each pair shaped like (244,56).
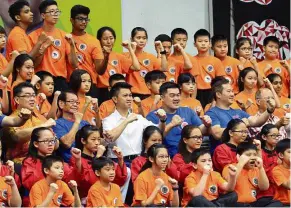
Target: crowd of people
(91,127)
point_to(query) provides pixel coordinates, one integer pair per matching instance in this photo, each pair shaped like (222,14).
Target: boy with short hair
(203,185)
(272,64)
(219,46)
(209,66)
(52,191)
(10,195)
(251,177)
(281,173)
(104,192)
(153,79)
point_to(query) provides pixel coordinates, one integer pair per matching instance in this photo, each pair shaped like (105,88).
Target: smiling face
(171,99)
(27,70)
(271,50)
(25,99)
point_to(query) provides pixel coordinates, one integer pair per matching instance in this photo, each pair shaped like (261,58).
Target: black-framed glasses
(54,12)
(196,138)
(51,141)
(241,131)
(275,136)
(81,19)
(72,102)
(27,96)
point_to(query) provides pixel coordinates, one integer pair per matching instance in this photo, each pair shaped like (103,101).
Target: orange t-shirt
(281,174)
(243,97)
(246,184)
(88,49)
(45,108)
(209,68)
(5,192)
(191,103)
(108,107)
(117,64)
(284,107)
(98,196)
(18,40)
(232,72)
(147,103)
(214,181)
(90,114)
(174,67)
(40,190)
(54,59)
(278,69)
(148,62)
(180,60)
(145,184)
(3,65)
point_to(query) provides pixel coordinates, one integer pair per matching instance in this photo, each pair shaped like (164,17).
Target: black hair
(99,163)
(242,75)
(239,43)
(217,86)
(283,145)
(264,131)
(45,4)
(163,38)
(185,78)
(231,126)
(79,9)
(201,32)
(16,7)
(48,162)
(43,75)
(102,30)
(147,133)
(18,88)
(117,87)
(168,85)
(152,152)
(2,30)
(271,39)
(76,80)
(18,63)
(154,75)
(115,77)
(84,133)
(273,76)
(63,97)
(198,153)
(178,31)
(182,149)
(138,29)
(217,38)
(245,146)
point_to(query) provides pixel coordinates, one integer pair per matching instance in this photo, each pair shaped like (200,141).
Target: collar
(231,146)
(270,153)
(87,157)
(117,115)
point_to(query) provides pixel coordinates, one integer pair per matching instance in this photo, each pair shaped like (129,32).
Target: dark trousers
(262,202)
(204,96)
(226,200)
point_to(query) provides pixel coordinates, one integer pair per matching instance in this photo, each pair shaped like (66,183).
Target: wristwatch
(163,52)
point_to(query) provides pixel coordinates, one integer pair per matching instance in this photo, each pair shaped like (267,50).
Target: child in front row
(52,191)
(281,173)
(153,187)
(203,185)
(9,192)
(104,192)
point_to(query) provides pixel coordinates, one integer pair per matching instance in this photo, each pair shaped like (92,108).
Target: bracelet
(163,121)
(175,189)
(164,52)
(269,111)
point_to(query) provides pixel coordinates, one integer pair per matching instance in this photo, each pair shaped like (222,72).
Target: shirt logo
(172,80)
(213,189)
(207,79)
(146,62)
(255,181)
(80,57)
(163,201)
(254,193)
(172,70)
(55,54)
(4,193)
(210,68)
(59,199)
(164,189)
(82,46)
(228,69)
(114,62)
(143,73)
(57,42)
(184,124)
(286,106)
(235,116)
(278,70)
(111,72)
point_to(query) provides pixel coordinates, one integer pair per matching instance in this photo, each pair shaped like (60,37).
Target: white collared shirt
(131,138)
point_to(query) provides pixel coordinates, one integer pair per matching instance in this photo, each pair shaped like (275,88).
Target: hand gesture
(253,61)
(126,44)
(243,159)
(207,169)
(95,106)
(259,162)
(267,83)
(70,39)
(117,151)
(284,120)
(131,118)
(53,188)
(271,105)
(173,182)
(49,123)
(178,47)
(10,165)
(73,184)
(107,135)
(161,114)
(285,64)
(106,50)
(267,68)
(24,114)
(14,54)
(76,153)
(57,94)
(242,61)
(42,38)
(137,101)
(41,97)
(206,120)
(232,170)
(159,183)
(177,120)
(198,110)
(3,82)
(78,116)
(88,100)
(257,143)
(133,45)
(100,150)
(157,99)
(241,104)
(35,79)
(50,40)
(9,180)
(158,45)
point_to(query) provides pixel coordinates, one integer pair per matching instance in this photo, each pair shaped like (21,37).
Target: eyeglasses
(81,19)
(27,96)
(72,102)
(242,132)
(48,141)
(246,49)
(53,12)
(275,136)
(196,138)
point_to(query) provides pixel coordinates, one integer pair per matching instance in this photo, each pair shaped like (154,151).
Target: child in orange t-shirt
(202,186)
(251,177)
(220,48)
(154,80)
(103,192)
(186,81)
(52,191)
(10,196)
(272,64)
(281,173)
(276,81)
(153,186)
(209,66)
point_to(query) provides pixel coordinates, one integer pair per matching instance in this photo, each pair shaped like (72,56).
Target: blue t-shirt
(61,128)
(221,117)
(1,119)
(173,137)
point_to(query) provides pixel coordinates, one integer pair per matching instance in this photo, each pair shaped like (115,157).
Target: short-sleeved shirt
(54,59)
(5,193)
(89,114)
(246,184)
(191,103)
(173,137)
(147,103)
(3,65)
(144,185)
(280,175)
(98,196)
(230,65)
(285,107)
(174,67)
(40,190)
(62,128)
(179,59)
(211,191)
(221,117)
(243,97)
